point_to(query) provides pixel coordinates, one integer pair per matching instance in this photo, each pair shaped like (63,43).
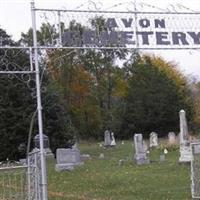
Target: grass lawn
(106,180)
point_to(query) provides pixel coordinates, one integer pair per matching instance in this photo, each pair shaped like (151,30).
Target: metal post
(136,21)
(36,177)
(39,107)
(31,58)
(29,178)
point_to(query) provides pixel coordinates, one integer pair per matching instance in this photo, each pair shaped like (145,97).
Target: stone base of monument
(67,166)
(185,154)
(141,159)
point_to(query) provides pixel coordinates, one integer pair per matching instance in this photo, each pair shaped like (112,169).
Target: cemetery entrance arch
(94,29)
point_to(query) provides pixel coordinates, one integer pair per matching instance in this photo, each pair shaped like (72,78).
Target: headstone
(171,138)
(183,127)
(47,150)
(140,156)
(122,142)
(67,159)
(85,157)
(107,138)
(121,162)
(101,156)
(45,141)
(153,140)
(113,143)
(185,151)
(162,158)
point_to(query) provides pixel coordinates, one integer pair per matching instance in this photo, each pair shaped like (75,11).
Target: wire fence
(195,172)
(20,181)
(13,182)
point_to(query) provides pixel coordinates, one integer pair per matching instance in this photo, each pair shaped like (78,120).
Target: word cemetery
(145,32)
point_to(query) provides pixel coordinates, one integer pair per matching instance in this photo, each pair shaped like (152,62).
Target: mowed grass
(106,180)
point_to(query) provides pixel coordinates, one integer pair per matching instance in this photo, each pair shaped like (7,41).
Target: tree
(57,122)
(194,86)
(76,85)
(45,36)
(18,103)
(157,92)
(66,66)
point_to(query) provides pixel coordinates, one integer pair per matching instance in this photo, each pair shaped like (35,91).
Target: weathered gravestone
(140,156)
(162,158)
(47,150)
(107,138)
(85,157)
(185,151)
(67,159)
(153,140)
(101,156)
(171,138)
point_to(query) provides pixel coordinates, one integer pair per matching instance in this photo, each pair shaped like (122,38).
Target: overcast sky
(15,17)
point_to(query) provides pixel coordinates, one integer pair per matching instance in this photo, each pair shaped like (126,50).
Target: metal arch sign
(139,30)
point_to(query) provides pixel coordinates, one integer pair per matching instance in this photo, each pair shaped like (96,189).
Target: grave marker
(140,156)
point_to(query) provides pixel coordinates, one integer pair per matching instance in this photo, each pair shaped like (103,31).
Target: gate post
(39,107)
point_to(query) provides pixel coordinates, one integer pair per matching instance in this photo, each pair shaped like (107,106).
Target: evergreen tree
(18,103)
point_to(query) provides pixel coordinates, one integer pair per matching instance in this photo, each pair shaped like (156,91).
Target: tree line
(88,91)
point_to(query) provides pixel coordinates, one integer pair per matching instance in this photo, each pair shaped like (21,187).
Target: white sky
(15,17)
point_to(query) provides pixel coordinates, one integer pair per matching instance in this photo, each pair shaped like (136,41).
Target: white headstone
(101,156)
(185,151)
(183,128)
(153,140)
(121,162)
(113,143)
(140,156)
(67,159)
(171,138)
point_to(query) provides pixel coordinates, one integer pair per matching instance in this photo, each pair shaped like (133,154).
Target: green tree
(63,66)
(18,103)
(45,36)
(157,92)
(194,86)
